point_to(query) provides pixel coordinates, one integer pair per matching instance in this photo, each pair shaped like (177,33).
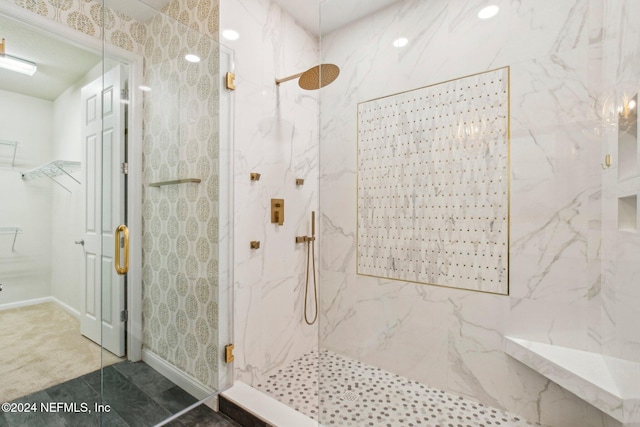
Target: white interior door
(103,292)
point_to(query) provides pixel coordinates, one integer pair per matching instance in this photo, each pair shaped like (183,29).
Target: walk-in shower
(479,256)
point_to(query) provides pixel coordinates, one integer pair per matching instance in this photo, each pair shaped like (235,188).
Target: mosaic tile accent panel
(433,184)
(339,391)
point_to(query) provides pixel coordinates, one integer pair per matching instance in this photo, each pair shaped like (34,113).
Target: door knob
(79,242)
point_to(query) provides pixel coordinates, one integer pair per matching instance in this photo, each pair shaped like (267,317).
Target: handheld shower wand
(311,253)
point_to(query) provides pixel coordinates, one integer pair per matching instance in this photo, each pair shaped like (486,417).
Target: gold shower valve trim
(254,244)
(254,176)
(299,181)
(277,211)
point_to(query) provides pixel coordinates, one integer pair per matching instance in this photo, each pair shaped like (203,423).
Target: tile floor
(139,397)
(355,394)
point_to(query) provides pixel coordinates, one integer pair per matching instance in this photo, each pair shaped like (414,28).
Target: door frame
(134,150)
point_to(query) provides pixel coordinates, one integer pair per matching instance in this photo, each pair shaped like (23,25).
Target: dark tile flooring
(137,394)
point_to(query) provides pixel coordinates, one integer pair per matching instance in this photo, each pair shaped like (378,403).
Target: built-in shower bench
(610,384)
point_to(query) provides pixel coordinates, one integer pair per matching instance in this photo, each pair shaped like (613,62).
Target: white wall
(26,204)
(453,339)
(275,135)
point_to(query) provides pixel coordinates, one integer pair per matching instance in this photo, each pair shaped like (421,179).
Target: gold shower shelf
(176,181)
(53,169)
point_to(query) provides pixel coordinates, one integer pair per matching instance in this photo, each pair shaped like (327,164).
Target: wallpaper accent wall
(433,168)
(180,223)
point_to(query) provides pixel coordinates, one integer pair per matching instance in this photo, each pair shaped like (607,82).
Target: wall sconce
(13,63)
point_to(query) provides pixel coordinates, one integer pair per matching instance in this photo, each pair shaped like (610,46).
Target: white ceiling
(329,15)
(59,63)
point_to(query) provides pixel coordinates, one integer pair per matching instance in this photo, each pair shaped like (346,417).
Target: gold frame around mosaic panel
(508,258)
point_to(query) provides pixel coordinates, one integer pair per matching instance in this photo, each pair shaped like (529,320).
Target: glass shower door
(174,302)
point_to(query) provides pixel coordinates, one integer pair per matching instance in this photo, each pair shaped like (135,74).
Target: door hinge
(228,353)
(124,315)
(231,81)
(124,94)
(125,168)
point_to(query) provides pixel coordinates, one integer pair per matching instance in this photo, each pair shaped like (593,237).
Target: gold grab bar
(125,232)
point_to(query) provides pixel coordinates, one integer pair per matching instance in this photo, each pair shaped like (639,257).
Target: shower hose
(311,253)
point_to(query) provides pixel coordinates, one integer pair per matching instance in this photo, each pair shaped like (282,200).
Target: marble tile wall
(559,292)
(276,135)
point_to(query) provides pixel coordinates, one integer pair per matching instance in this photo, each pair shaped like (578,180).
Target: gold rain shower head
(315,77)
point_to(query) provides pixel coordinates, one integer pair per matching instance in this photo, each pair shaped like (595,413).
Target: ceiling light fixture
(401,42)
(230,34)
(192,58)
(18,65)
(488,12)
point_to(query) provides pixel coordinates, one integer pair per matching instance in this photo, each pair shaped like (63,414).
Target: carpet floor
(41,346)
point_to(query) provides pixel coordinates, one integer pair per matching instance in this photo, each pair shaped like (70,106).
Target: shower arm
(286,79)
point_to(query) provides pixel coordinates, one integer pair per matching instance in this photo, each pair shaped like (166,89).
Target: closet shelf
(11,230)
(53,169)
(11,144)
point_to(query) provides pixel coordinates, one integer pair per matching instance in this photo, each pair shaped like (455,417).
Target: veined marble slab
(611,385)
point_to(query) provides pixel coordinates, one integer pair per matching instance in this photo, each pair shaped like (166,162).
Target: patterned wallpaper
(180,223)
(433,168)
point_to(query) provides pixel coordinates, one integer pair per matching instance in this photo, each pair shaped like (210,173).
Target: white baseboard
(25,303)
(72,311)
(180,378)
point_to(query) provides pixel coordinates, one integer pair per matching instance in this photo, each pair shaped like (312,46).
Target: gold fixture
(231,81)
(125,244)
(277,211)
(176,181)
(299,181)
(254,176)
(315,77)
(254,244)
(607,162)
(228,353)
(311,253)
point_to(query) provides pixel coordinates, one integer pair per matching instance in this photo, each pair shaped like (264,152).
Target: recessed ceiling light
(230,34)
(192,58)
(144,88)
(488,12)
(400,42)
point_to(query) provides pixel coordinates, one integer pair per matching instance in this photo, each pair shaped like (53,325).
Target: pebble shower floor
(355,394)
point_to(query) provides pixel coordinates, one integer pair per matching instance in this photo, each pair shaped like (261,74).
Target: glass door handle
(124,242)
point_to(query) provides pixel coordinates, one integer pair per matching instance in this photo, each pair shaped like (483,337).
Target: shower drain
(349,396)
